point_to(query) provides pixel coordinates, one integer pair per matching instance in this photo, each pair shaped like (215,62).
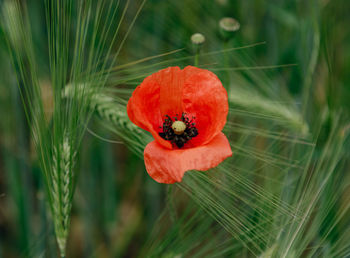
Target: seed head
(197,39)
(229,24)
(228,27)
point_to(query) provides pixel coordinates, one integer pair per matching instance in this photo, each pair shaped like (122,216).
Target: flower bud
(228,27)
(197,39)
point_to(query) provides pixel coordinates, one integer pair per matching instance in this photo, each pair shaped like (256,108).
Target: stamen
(179,131)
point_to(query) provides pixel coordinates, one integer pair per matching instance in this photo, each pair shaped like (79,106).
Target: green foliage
(81,56)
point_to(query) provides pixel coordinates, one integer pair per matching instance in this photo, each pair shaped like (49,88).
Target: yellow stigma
(179,127)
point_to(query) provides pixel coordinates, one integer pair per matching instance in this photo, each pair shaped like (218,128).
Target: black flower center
(178,131)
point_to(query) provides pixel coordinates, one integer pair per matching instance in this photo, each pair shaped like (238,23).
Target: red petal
(144,106)
(171,83)
(205,98)
(168,166)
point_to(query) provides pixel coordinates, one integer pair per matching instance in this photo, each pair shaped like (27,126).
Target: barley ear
(62,190)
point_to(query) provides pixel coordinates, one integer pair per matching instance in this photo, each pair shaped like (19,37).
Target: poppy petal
(168,166)
(144,106)
(205,98)
(171,84)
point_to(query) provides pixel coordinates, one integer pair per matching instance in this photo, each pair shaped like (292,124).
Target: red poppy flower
(185,111)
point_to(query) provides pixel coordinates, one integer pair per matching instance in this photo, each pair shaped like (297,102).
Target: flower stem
(171,203)
(197,41)
(196,58)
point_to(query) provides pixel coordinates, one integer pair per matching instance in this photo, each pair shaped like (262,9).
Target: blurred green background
(300,66)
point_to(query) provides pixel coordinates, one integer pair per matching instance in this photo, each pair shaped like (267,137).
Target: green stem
(226,65)
(196,58)
(170,202)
